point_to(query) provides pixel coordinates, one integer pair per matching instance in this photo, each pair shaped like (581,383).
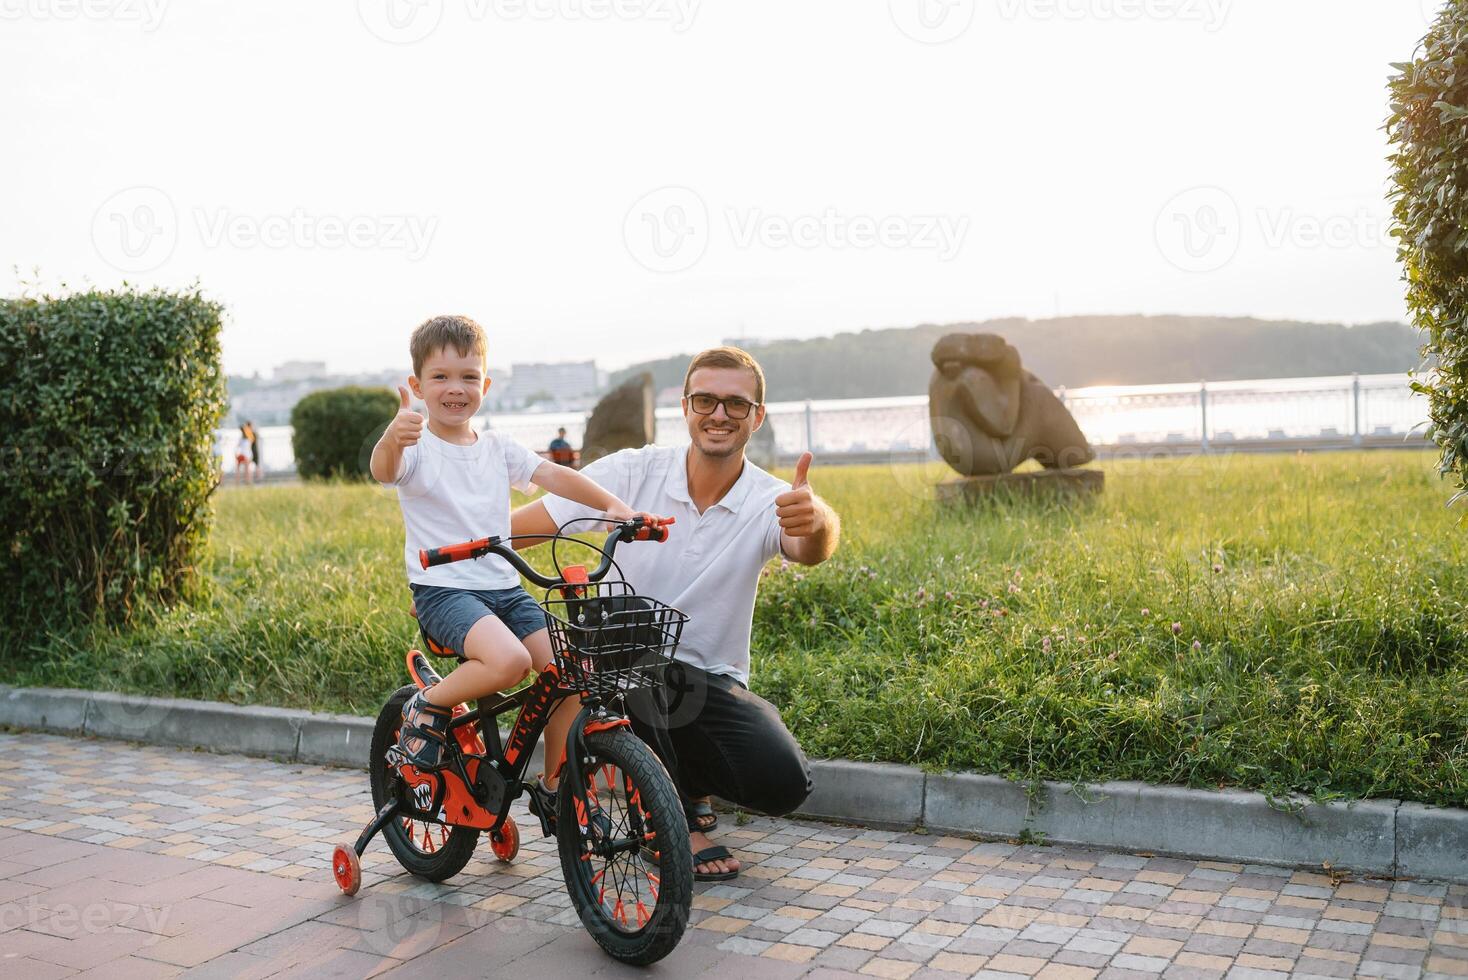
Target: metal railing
(1367,411)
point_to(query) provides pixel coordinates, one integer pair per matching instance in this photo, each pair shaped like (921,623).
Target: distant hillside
(1076,352)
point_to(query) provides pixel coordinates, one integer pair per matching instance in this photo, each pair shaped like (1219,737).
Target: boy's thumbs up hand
(407,428)
(796,507)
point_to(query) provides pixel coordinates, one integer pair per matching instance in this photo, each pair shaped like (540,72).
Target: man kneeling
(732,518)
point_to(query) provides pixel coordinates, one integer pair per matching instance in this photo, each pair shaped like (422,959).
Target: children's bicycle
(618,821)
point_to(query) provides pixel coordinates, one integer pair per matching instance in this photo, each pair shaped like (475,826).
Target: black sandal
(701,816)
(424,734)
(716,853)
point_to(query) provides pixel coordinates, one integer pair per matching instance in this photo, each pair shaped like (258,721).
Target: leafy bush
(335,430)
(108,405)
(1428,127)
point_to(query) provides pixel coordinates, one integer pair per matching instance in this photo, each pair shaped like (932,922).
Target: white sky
(501,164)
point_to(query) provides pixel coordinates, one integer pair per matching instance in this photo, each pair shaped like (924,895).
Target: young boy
(454,485)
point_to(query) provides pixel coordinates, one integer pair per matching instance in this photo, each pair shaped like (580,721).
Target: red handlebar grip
(452,552)
(653,532)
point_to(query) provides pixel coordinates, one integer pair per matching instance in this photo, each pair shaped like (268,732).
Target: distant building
(500,396)
(554,385)
(299,370)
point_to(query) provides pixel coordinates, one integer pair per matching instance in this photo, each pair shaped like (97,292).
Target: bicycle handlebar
(634,530)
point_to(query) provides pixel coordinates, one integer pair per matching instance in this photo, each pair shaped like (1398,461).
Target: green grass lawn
(1271,622)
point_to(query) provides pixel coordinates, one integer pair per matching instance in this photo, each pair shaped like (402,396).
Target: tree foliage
(108,405)
(335,430)
(1428,131)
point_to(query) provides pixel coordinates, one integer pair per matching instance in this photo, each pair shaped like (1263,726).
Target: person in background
(259,471)
(242,456)
(561,451)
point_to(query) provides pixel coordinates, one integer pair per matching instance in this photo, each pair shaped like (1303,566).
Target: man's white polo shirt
(709,566)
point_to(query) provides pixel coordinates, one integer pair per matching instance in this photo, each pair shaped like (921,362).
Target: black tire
(450,847)
(633,765)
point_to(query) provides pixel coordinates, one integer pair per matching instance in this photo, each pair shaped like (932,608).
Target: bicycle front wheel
(625,854)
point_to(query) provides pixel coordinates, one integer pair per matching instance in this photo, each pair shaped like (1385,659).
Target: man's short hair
(727,357)
(458,332)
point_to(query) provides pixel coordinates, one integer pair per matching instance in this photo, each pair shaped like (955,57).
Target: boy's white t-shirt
(452,493)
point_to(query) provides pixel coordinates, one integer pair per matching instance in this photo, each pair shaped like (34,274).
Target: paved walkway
(122,861)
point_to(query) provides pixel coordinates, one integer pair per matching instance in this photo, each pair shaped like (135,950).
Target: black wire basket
(609,640)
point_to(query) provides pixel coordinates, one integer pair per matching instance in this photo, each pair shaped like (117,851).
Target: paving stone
(248,893)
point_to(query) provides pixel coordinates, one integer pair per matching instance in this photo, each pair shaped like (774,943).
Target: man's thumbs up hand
(407,428)
(802,472)
(799,515)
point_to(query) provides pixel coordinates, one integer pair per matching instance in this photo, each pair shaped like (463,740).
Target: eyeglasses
(734,407)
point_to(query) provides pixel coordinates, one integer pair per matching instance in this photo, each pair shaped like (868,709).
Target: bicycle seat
(434,647)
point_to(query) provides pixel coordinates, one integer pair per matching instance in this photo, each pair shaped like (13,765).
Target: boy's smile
(452,388)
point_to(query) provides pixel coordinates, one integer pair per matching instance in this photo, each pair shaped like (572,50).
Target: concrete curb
(1383,837)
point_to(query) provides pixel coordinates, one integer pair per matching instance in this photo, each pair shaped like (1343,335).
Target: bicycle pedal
(547,819)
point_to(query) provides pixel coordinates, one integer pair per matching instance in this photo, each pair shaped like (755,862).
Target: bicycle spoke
(625,887)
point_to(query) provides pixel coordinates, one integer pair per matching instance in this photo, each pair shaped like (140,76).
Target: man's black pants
(716,738)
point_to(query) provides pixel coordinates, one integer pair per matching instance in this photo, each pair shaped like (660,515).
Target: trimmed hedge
(336,429)
(1428,130)
(108,406)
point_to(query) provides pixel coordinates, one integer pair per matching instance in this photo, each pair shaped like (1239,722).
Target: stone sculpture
(989,414)
(623,419)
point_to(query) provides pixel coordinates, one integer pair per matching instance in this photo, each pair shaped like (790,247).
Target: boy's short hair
(727,357)
(458,332)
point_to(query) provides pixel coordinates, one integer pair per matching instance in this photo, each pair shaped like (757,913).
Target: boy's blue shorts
(448,614)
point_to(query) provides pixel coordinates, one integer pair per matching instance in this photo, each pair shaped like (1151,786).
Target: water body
(1377,407)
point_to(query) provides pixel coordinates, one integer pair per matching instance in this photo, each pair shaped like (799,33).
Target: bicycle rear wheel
(427,849)
(625,856)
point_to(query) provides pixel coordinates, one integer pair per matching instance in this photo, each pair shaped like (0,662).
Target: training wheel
(346,869)
(505,841)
